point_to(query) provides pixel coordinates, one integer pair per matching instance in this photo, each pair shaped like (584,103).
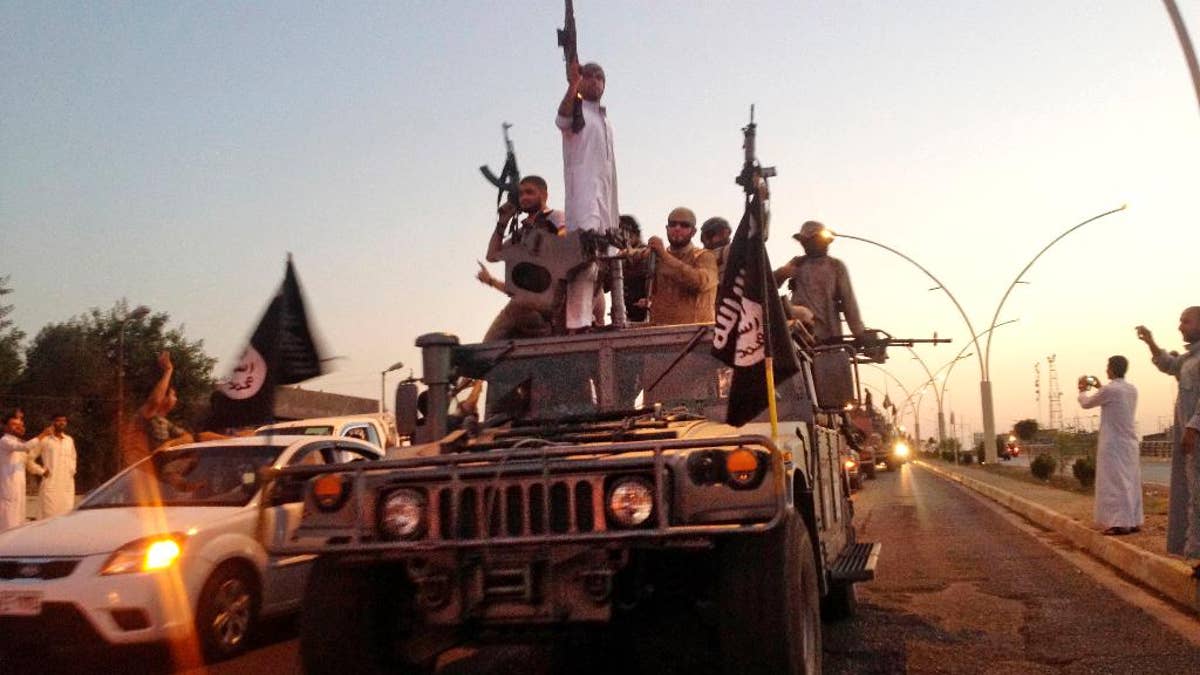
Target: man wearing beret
(820,284)
(685,276)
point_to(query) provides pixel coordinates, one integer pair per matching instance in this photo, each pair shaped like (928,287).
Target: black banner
(281,351)
(750,321)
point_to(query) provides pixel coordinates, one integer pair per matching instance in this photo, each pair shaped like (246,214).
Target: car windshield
(299,430)
(205,476)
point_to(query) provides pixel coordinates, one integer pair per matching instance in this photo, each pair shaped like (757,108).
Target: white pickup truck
(378,429)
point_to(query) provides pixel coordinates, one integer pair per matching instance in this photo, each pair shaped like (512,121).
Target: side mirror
(406,409)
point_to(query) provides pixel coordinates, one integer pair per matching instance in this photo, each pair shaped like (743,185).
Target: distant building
(294,403)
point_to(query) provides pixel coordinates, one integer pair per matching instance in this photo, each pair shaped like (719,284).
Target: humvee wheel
(360,620)
(770,602)
(840,603)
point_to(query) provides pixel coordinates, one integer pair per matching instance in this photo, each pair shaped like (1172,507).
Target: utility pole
(1056,420)
(1037,392)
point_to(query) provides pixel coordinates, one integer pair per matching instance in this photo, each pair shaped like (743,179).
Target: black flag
(749,313)
(281,351)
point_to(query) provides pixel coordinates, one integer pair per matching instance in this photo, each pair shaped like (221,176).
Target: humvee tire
(867,469)
(359,620)
(841,602)
(770,602)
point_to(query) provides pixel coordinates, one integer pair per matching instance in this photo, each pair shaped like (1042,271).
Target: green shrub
(1084,469)
(1043,466)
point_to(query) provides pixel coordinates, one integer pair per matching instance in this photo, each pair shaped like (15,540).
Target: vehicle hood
(93,531)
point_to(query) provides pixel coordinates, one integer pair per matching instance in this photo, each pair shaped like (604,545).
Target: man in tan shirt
(685,277)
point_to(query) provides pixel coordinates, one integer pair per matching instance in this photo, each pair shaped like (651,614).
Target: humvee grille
(568,505)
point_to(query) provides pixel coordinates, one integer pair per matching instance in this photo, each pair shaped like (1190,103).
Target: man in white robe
(57,469)
(1183,513)
(13,452)
(590,173)
(1118,506)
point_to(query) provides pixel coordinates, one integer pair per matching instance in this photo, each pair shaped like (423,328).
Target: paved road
(962,588)
(1153,470)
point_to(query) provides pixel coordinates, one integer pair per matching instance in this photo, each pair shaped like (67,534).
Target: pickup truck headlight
(631,501)
(145,555)
(403,514)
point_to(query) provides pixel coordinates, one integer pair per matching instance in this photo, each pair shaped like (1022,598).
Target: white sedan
(168,550)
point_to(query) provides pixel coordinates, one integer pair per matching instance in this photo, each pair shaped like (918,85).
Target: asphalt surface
(962,587)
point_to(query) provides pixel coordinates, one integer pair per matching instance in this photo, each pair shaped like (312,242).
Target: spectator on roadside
(13,452)
(1183,515)
(56,495)
(1118,504)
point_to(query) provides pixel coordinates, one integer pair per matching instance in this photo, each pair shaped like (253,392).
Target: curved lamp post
(985,384)
(1185,43)
(382,389)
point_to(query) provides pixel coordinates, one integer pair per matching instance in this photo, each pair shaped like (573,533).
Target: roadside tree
(72,367)
(10,341)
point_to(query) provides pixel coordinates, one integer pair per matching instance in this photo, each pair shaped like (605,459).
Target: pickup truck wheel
(359,620)
(770,602)
(868,469)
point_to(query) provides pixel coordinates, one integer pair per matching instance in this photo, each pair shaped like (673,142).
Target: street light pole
(985,385)
(137,313)
(382,388)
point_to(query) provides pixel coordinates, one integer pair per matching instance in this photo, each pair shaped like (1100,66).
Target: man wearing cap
(590,173)
(715,234)
(685,277)
(820,284)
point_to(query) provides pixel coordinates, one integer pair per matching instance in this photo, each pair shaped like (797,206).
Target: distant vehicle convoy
(167,550)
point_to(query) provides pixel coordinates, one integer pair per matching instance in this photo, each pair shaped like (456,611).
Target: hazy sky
(173,153)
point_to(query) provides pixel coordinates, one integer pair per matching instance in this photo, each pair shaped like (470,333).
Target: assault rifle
(566,40)
(752,171)
(509,176)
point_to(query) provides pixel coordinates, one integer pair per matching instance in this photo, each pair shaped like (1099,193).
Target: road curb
(1171,578)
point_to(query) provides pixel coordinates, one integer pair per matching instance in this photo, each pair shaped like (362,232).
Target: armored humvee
(599,493)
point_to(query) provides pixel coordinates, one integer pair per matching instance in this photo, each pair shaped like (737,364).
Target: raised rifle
(510,176)
(753,173)
(566,40)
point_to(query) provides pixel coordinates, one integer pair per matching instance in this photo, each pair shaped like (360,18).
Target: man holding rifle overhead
(589,170)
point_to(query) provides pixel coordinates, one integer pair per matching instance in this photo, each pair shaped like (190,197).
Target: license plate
(20,603)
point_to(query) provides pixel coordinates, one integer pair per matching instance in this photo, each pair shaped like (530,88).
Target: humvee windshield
(612,374)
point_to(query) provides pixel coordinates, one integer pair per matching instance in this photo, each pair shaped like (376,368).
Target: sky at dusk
(172,154)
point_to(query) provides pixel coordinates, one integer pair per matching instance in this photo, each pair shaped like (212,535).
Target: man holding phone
(1118,505)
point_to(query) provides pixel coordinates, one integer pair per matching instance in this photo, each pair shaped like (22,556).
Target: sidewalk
(1142,557)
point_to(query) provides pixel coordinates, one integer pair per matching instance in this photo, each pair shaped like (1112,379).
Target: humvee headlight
(631,501)
(901,450)
(403,514)
(329,491)
(850,463)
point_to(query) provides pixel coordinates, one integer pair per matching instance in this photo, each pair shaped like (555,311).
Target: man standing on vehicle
(518,319)
(715,234)
(57,469)
(820,283)
(13,452)
(1183,515)
(1118,504)
(685,277)
(590,173)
